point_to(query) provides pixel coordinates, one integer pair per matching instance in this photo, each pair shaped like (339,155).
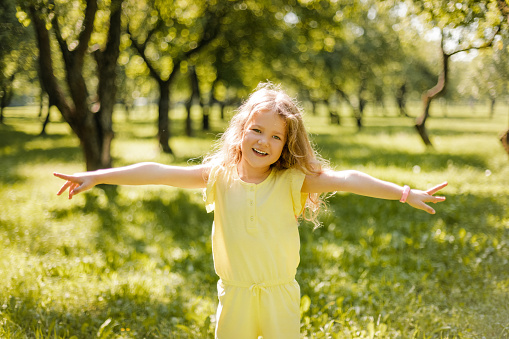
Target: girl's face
(263,141)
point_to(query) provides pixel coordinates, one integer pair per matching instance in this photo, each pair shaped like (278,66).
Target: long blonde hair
(298,151)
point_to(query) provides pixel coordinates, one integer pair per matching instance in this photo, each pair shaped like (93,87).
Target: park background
(413,92)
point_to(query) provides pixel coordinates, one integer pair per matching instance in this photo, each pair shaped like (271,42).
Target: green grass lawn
(135,262)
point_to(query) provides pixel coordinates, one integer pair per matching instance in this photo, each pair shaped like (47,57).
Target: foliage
(136,262)
(16,51)
(489,72)
(358,52)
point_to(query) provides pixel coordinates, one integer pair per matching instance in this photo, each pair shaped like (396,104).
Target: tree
(491,74)
(88,116)
(166,36)
(463,26)
(348,50)
(504,9)
(15,51)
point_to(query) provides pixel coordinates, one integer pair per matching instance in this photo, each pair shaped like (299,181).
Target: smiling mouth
(260,152)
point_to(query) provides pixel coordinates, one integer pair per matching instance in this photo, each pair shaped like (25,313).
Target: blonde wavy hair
(298,151)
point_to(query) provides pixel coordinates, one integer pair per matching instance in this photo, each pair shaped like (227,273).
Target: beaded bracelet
(406,192)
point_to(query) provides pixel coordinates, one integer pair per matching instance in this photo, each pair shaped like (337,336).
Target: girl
(262,176)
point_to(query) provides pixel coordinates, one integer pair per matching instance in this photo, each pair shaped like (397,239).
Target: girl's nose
(262,141)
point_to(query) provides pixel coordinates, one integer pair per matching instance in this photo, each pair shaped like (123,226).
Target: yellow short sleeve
(299,198)
(209,193)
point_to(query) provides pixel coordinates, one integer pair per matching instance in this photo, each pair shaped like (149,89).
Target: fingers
(64,187)
(72,183)
(437,199)
(429,209)
(427,197)
(423,206)
(437,188)
(421,199)
(73,190)
(64,176)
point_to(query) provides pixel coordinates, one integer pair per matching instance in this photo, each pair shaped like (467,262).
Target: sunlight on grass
(134,262)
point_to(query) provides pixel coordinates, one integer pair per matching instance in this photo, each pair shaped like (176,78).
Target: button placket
(251,215)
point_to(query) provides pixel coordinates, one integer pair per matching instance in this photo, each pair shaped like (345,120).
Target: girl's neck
(253,176)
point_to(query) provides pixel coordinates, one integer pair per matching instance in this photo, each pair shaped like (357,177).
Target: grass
(135,262)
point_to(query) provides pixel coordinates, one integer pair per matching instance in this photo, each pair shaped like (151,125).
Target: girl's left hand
(418,198)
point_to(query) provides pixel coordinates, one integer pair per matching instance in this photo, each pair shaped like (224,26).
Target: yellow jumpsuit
(255,244)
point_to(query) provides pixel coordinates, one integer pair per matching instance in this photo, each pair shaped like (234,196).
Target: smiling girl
(263,175)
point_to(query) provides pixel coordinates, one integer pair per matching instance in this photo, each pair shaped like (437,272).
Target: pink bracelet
(406,192)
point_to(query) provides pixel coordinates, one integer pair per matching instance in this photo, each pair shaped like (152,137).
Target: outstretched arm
(364,184)
(147,173)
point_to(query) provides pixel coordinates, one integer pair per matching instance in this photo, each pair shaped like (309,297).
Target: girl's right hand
(76,183)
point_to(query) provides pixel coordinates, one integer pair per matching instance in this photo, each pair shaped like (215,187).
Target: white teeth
(259,152)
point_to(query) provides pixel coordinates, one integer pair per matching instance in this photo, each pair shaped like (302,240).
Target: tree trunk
(504,138)
(335,119)
(429,95)
(194,98)
(189,123)
(504,9)
(206,107)
(6,97)
(1,115)
(420,124)
(401,95)
(3,104)
(163,121)
(107,88)
(46,70)
(94,129)
(46,121)
(41,103)
(359,112)
(313,107)
(206,118)
(222,106)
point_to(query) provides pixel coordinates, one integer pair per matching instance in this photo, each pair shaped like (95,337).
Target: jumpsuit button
(252,218)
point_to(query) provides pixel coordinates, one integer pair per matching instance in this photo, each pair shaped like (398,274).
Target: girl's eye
(276,137)
(256,130)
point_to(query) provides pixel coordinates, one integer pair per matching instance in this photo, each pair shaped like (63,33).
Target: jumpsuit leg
(237,313)
(280,312)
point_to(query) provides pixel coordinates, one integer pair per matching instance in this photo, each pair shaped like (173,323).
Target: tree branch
(47,75)
(58,35)
(88,24)
(211,30)
(486,44)
(141,49)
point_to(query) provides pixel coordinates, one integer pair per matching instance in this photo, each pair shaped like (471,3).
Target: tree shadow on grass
(178,222)
(383,244)
(129,233)
(118,311)
(451,260)
(14,153)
